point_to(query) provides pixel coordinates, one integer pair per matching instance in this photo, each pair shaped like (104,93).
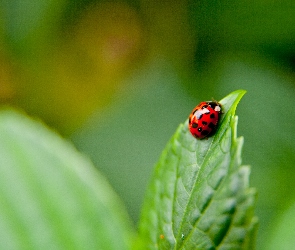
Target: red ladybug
(204,119)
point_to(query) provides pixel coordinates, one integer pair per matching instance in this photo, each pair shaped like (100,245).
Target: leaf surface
(51,196)
(199,196)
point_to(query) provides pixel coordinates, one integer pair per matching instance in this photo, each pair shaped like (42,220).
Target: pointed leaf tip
(231,101)
(200,191)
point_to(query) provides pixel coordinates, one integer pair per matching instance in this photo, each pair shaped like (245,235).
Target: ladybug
(204,119)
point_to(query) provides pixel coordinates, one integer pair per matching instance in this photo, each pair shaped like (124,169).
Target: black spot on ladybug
(199,129)
(204,123)
(205,132)
(205,106)
(212,116)
(211,125)
(213,105)
(194,125)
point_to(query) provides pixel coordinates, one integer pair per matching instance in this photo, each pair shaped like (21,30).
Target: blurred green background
(117,77)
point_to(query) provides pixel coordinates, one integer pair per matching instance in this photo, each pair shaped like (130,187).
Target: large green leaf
(51,197)
(199,196)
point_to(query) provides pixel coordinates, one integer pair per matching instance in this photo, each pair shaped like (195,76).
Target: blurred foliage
(52,197)
(282,236)
(119,76)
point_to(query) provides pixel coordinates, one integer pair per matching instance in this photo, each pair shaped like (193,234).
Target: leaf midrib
(201,166)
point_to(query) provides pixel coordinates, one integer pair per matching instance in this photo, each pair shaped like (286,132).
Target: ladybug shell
(204,119)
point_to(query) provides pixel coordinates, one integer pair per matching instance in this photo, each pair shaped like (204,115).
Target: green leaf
(52,197)
(199,196)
